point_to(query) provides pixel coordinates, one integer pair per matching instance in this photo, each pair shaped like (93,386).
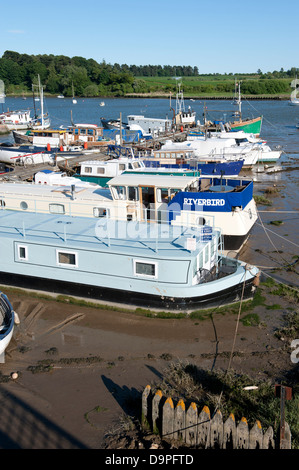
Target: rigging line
(279,236)
(273,243)
(280,282)
(269,122)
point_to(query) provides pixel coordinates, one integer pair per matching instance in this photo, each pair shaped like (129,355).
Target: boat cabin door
(148,202)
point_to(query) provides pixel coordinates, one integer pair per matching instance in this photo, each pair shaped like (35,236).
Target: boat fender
(61,148)
(48,147)
(256,280)
(85,145)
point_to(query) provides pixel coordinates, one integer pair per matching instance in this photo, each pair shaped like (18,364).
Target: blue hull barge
(147,264)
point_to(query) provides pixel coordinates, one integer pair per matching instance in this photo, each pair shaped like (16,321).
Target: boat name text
(204,202)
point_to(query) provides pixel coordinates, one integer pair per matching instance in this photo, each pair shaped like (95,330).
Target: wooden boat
(151,265)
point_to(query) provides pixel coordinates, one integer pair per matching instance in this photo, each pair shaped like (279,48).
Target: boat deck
(130,238)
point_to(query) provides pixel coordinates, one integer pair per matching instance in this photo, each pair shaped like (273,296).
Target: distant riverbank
(167,96)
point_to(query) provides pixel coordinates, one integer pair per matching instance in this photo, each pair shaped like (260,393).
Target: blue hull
(206,169)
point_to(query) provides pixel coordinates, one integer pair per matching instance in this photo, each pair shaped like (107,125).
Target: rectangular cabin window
(22,252)
(2,203)
(100,212)
(133,193)
(56,209)
(145,269)
(88,169)
(66,258)
(122,167)
(101,171)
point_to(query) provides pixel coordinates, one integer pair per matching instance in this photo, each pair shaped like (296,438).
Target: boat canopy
(162,181)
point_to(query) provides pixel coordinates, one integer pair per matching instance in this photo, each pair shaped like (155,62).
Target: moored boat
(152,265)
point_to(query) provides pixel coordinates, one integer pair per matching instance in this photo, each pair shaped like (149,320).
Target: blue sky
(225,36)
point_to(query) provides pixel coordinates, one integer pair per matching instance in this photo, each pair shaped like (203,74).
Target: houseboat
(227,204)
(151,265)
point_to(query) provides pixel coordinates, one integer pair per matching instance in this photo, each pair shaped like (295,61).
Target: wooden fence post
(191,424)
(230,433)
(256,436)
(156,411)
(243,434)
(268,439)
(167,419)
(145,405)
(216,431)
(203,427)
(179,426)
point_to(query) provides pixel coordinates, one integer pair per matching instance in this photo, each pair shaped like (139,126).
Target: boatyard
(166,270)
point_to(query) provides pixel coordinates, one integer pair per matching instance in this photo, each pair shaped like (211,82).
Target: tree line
(60,74)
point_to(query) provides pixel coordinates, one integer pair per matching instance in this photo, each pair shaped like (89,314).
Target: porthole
(24,205)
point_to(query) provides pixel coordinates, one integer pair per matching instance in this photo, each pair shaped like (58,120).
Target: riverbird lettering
(114,460)
(203,202)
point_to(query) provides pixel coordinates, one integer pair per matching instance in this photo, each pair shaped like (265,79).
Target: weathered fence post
(145,405)
(156,411)
(191,424)
(243,434)
(230,433)
(179,426)
(216,431)
(203,427)
(168,419)
(256,436)
(268,439)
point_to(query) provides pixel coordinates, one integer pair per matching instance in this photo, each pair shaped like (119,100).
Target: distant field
(218,86)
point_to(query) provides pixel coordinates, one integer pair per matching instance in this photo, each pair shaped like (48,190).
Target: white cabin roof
(162,181)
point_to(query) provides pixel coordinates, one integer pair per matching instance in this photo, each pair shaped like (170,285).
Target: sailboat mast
(41,94)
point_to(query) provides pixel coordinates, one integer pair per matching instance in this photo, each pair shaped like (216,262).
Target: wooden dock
(26,173)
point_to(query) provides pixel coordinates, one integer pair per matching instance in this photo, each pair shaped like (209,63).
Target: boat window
(133,193)
(2,203)
(201,221)
(88,169)
(167,155)
(23,205)
(100,212)
(120,192)
(145,269)
(101,171)
(56,209)
(162,195)
(122,166)
(22,252)
(90,131)
(135,165)
(67,258)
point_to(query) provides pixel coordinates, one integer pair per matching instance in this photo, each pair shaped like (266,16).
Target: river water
(269,246)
